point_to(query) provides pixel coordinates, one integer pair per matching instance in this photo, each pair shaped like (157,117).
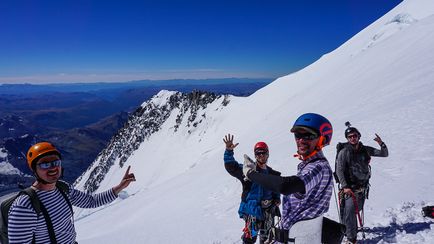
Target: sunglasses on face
(49,165)
(260,153)
(353,136)
(305,136)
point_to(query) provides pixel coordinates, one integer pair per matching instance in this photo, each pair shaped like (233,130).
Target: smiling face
(306,141)
(49,168)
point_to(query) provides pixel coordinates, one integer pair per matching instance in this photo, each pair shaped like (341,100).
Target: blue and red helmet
(316,124)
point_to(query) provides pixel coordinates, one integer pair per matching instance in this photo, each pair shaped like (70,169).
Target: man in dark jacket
(258,205)
(353,171)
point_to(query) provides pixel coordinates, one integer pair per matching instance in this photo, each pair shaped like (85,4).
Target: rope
(247,230)
(356,206)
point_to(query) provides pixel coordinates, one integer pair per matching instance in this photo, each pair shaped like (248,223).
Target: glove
(249,165)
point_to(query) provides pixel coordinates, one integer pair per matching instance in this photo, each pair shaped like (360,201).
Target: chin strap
(318,148)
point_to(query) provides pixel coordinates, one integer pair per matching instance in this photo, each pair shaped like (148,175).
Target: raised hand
(229,141)
(378,139)
(125,182)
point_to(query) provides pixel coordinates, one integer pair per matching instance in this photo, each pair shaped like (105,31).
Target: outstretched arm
(280,184)
(83,200)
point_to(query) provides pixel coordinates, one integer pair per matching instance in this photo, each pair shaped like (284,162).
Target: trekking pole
(356,206)
(337,203)
(363,221)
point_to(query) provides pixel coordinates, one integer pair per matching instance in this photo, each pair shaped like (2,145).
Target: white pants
(307,231)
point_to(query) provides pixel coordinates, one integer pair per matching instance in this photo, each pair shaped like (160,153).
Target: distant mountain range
(111,88)
(81,118)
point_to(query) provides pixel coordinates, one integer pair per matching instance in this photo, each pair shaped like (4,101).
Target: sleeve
(278,184)
(340,168)
(311,176)
(232,166)
(275,195)
(22,221)
(84,200)
(383,152)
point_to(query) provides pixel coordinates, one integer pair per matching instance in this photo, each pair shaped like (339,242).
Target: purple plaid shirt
(317,177)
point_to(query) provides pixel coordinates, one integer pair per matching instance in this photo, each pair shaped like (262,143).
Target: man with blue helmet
(307,194)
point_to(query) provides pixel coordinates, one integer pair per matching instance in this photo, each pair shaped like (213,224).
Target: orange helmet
(38,150)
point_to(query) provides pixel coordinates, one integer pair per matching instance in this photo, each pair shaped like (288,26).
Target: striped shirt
(317,177)
(24,223)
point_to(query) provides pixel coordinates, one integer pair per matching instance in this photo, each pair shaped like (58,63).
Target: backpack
(428,211)
(37,206)
(358,173)
(339,147)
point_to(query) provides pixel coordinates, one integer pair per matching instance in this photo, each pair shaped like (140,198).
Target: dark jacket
(252,194)
(352,166)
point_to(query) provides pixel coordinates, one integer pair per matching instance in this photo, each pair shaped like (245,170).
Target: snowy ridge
(184,195)
(188,109)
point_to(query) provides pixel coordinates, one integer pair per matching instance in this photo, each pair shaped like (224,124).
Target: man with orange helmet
(307,194)
(55,224)
(258,205)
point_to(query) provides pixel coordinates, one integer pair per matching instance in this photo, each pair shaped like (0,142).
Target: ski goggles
(49,165)
(305,136)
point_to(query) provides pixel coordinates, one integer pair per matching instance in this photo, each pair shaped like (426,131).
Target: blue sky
(87,41)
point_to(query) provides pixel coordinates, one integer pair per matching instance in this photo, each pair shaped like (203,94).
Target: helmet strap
(320,143)
(318,148)
(302,158)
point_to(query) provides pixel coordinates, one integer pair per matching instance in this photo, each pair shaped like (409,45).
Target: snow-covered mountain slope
(381,80)
(5,167)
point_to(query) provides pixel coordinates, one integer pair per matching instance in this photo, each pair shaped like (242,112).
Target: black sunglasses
(305,136)
(49,165)
(261,153)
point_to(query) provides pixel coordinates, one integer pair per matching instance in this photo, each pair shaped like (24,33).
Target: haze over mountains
(80,118)
(380,80)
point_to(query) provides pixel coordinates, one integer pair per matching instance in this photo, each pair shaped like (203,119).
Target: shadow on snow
(388,233)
